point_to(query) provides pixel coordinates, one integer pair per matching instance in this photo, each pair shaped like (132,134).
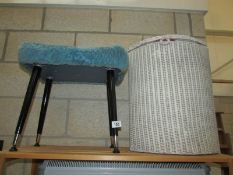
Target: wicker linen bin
(171,100)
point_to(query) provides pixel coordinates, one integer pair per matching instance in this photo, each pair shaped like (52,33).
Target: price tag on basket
(116,124)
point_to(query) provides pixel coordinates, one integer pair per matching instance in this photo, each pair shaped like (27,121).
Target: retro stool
(103,65)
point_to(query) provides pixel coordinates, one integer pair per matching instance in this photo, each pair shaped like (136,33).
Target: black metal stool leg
(43,110)
(112,109)
(26,105)
(110,113)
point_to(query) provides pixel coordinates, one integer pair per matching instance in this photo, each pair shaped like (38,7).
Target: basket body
(171,100)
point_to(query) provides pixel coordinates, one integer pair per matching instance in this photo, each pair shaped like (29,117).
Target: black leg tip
(116,150)
(13,148)
(37,145)
(111,146)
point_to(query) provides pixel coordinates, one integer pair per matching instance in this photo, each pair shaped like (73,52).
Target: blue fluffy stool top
(72,57)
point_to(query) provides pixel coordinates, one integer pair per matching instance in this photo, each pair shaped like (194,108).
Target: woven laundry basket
(171,100)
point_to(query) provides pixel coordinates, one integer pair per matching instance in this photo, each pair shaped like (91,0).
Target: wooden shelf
(101,153)
(105,154)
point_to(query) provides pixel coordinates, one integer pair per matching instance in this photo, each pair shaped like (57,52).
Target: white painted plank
(174,5)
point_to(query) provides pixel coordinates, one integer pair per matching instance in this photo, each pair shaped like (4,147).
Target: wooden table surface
(105,154)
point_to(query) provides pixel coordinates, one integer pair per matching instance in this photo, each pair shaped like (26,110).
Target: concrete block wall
(77,113)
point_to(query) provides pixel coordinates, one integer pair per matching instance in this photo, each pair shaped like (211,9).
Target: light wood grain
(105,154)
(230,166)
(2,161)
(101,153)
(222,81)
(34,167)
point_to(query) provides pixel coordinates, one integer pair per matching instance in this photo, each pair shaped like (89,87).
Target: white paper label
(116,124)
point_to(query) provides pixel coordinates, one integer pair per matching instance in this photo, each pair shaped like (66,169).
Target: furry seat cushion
(103,57)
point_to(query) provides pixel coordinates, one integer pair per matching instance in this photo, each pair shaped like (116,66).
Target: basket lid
(166,38)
